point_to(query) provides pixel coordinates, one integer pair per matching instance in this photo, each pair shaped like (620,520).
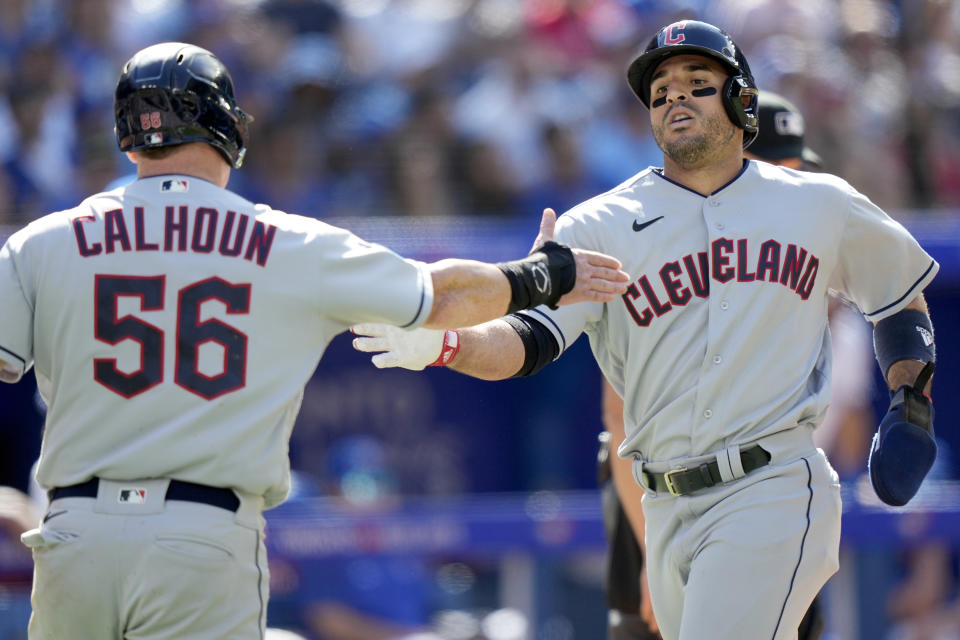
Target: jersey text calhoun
(201,230)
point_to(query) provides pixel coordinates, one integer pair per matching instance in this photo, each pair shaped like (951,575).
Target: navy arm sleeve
(540,347)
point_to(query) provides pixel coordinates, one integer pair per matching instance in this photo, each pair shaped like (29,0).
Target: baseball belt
(177,490)
(682,482)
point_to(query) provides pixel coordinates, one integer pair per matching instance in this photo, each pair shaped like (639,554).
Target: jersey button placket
(713,203)
(708,373)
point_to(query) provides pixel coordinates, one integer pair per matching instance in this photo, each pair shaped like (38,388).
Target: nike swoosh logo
(640,226)
(51,516)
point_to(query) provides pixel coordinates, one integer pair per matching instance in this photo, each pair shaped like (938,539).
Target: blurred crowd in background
(472,107)
(482,108)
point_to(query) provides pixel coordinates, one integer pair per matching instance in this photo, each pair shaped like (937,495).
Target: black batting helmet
(171,93)
(693,36)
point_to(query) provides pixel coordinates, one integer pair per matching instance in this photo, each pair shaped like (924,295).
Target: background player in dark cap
(780,140)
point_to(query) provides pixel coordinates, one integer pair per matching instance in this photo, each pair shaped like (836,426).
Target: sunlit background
(432,503)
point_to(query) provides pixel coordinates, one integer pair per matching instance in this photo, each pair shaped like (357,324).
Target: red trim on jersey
(144,306)
(233,308)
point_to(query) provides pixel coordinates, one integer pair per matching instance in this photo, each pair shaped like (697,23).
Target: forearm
(905,372)
(490,351)
(904,448)
(466,292)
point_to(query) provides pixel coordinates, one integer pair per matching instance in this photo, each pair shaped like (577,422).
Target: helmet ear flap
(735,89)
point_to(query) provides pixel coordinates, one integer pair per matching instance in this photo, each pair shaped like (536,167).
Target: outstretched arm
(489,351)
(475,295)
(468,292)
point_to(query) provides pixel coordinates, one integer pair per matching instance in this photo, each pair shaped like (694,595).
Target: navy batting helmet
(693,36)
(172,93)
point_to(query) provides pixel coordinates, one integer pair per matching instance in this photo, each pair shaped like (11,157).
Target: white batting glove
(413,349)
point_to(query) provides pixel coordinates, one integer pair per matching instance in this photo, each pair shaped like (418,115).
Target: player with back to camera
(720,347)
(780,140)
(172,326)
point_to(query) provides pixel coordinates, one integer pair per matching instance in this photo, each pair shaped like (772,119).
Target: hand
(548,223)
(599,276)
(413,349)
(904,448)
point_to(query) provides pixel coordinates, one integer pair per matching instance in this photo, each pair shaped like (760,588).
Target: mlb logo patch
(174,186)
(132,496)
(788,123)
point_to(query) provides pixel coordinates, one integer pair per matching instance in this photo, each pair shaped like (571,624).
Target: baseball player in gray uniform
(780,140)
(720,347)
(172,326)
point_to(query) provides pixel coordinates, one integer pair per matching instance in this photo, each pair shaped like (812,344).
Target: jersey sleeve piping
(426,298)
(419,310)
(922,280)
(556,329)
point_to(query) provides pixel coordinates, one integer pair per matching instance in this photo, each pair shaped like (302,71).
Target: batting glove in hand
(413,349)
(904,449)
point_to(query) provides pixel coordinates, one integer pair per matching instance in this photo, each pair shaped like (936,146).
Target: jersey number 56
(191,333)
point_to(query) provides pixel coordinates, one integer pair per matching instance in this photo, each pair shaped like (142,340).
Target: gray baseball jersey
(147,308)
(722,336)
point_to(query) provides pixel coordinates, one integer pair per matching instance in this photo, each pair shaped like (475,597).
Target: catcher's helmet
(171,93)
(693,36)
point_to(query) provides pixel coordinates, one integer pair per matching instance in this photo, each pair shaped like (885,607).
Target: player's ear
(131,156)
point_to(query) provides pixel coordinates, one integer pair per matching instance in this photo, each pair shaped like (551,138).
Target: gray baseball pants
(148,568)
